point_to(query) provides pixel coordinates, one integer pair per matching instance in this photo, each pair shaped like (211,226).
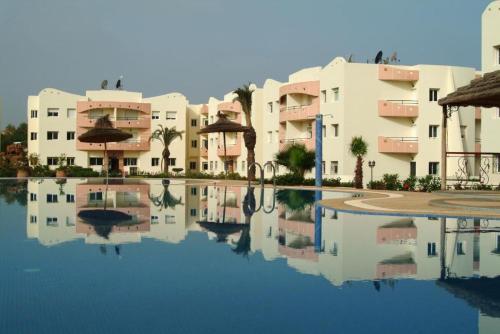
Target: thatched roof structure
(104,132)
(223,125)
(482,92)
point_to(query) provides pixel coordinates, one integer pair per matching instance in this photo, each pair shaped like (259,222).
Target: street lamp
(371,164)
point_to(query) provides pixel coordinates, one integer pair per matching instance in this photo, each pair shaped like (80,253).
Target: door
(413,168)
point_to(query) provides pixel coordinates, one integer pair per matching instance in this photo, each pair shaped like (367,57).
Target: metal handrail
(403,139)
(412,102)
(283,108)
(261,173)
(274,171)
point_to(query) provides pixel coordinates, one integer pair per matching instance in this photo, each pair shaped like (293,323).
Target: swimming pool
(191,258)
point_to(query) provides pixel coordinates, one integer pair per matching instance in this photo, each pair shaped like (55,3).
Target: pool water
(190,258)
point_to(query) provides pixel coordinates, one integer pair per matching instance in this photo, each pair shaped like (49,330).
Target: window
(33,135)
(70,198)
(171,161)
(433,168)
(34,113)
(192,212)
(269,168)
(52,221)
(155,115)
(52,161)
(216,165)
(70,135)
(192,165)
(129,161)
(70,113)
(336,94)
(32,219)
(309,131)
(497,54)
(52,135)
(335,130)
(194,143)
(323,167)
(211,165)
(205,143)
(205,121)
(70,221)
(433,131)
(269,137)
(461,248)
(323,96)
(51,198)
(32,197)
(243,166)
(194,191)
(154,220)
(211,119)
(52,112)
(334,167)
(94,161)
(169,219)
(96,196)
(155,162)
(431,249)
(70,161)
(496,163)
(270,107)
(194,122)
(204,166)
(171,115)
(433,94)
(323,130)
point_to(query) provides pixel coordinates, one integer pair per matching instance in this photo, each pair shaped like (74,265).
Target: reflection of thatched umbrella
(481,293)
(104,220)
(103,132)
(222,230)
(223,125)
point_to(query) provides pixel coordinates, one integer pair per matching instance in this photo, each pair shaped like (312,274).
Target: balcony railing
(395,73)
(398,145)
(398,108)
(308,142)
(299,113)
(118,122)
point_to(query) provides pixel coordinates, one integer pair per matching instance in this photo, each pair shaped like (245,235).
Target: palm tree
(297,159)
(244,97)
(358,149)
(166,136)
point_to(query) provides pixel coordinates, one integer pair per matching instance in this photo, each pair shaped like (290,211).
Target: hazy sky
(205,48)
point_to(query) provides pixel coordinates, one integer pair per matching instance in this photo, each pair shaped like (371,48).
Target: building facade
(393,107)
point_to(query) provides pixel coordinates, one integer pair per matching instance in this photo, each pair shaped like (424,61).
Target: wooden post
(443,147)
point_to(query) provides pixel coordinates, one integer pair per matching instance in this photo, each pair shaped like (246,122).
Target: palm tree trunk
(250,138)
(358,177)
(166,162)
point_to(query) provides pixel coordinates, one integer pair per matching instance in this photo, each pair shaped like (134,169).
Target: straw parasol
(481,92)
(103,132)
(223,125)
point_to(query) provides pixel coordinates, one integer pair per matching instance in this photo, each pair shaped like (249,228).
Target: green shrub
(429,183)
(391,181)
(289,179)
(376,185)
(409,184)
(42,171)
(78,171)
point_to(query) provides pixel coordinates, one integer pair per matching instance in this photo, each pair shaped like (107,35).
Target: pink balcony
(142,145)
(307,253)
(395,73)
(203,152)
(299,113)
(122,122)
(204,110)
(397,108)
(408,145)
(308,88)
(229,106)
(478,113)
(296,227)
(396,270)
(396,234)
(308,142)
(233,150)
(83,106)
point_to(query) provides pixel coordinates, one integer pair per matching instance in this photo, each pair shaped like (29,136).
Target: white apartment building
(393,107)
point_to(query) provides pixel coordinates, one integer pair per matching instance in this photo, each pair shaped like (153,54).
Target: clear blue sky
(205,48)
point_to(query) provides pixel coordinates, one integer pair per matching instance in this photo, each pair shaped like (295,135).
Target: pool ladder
(250,205)
(261,168)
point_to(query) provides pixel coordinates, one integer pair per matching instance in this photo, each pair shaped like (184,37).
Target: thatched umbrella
(223,125)
(481,92)
(104,132)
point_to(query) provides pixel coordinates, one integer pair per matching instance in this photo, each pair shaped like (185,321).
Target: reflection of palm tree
(165,200)
(244,243)
(295,200)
